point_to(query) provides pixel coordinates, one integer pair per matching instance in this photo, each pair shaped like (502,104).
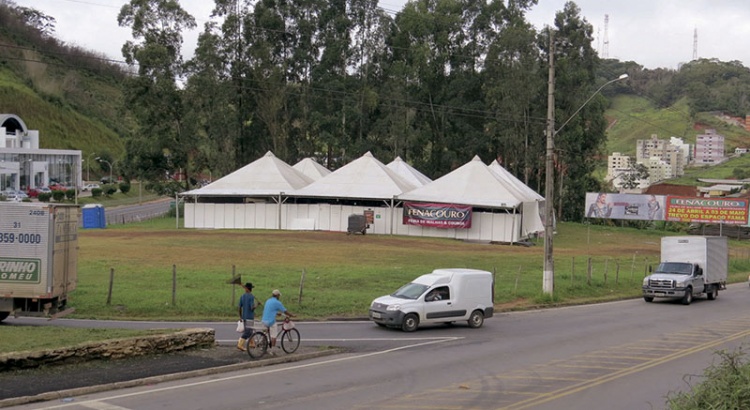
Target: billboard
(707,210)
(638,207)
(667,208)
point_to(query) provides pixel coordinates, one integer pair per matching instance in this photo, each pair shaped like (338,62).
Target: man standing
(272,307)
(247,313)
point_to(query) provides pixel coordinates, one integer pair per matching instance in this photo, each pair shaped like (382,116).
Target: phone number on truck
(9,237)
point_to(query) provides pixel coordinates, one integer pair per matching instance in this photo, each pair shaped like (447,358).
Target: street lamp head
(98,158)
(622,77)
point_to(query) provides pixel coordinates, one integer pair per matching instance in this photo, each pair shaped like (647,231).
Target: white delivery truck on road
(443,296)
(690,266)
(38,257)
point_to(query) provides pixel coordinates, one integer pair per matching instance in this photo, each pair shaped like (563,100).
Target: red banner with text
(437,215)
(707,210)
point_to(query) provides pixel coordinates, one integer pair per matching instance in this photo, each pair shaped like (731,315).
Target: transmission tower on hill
(695,44)
(605,50)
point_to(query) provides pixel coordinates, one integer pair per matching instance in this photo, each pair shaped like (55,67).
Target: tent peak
(269,154)
(476,158)
(368,154)
(398,159)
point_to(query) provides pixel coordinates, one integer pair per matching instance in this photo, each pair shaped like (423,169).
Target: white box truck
(443,296)
(38,257)
(690,266)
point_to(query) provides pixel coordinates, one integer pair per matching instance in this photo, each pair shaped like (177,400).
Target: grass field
(329,274)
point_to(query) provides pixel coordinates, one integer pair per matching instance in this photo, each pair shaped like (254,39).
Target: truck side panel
(708,252)
(38,255)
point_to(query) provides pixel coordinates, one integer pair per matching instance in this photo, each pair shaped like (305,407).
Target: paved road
(616,356)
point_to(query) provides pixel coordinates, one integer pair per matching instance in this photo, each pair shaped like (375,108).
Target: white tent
(533,203)
(527,193)
(408,172)
(490,187)
(312,169)
(266,176)
(471,184)
(363,178)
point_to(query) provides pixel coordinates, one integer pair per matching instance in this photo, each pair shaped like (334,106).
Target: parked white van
(443,296)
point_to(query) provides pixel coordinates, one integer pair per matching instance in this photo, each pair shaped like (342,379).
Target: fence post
(301,286)
(111,283)
(588,274)
(518,276)
(234,288)
(617,271)
(606,268)
(174,285)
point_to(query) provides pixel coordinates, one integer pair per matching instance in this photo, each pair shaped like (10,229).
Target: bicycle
(258,343)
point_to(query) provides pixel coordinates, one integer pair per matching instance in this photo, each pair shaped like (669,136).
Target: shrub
(96,192)
(70,194)
(124,187)
(44,196)
(58,195)
(110,189)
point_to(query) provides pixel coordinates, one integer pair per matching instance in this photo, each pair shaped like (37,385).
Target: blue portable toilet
(93,216)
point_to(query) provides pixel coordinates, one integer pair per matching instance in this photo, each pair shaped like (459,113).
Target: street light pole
(548,279)
(110,167)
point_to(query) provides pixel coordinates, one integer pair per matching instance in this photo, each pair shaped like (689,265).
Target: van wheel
(713,293)
(411,322)
(688,298)
(648,299)
(476,319)
(4,315)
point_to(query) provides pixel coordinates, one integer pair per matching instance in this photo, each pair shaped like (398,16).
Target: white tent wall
(495,227)
(532,222)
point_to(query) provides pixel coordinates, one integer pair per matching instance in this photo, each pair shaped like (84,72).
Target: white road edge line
(88,403)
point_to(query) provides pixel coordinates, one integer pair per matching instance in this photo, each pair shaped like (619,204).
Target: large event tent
(497,200)
(409,173)
(364,186)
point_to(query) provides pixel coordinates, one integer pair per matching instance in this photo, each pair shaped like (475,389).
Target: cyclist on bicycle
(271,308)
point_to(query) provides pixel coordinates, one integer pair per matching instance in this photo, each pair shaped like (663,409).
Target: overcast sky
(653,33)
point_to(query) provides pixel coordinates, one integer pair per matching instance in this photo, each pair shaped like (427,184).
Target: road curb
(70,393)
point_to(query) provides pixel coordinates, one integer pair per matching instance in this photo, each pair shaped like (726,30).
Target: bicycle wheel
(257,345)
(290,340)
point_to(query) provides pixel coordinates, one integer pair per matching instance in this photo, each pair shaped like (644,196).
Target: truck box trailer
(38,257)
(690,266)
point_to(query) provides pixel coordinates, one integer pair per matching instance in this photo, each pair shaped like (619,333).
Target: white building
(24,165)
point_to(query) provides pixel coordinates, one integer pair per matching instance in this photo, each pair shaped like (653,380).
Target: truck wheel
(476,319)
(648,299)
(713,293)
(411,322)
(4,315)
(688,298)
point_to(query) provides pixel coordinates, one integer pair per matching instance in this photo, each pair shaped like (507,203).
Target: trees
(579,145)
(159,144)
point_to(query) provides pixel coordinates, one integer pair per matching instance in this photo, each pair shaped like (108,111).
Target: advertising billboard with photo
(638,207)
(645,207)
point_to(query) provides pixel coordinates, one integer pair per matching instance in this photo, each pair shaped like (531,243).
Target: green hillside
(635,118)
(60,125)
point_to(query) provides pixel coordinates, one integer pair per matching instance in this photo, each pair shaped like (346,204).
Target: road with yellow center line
(544,383)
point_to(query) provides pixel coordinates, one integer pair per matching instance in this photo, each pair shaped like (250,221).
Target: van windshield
(410,291)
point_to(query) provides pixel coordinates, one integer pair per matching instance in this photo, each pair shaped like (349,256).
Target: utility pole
(548,283)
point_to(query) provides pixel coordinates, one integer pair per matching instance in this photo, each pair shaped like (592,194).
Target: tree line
(435,83)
